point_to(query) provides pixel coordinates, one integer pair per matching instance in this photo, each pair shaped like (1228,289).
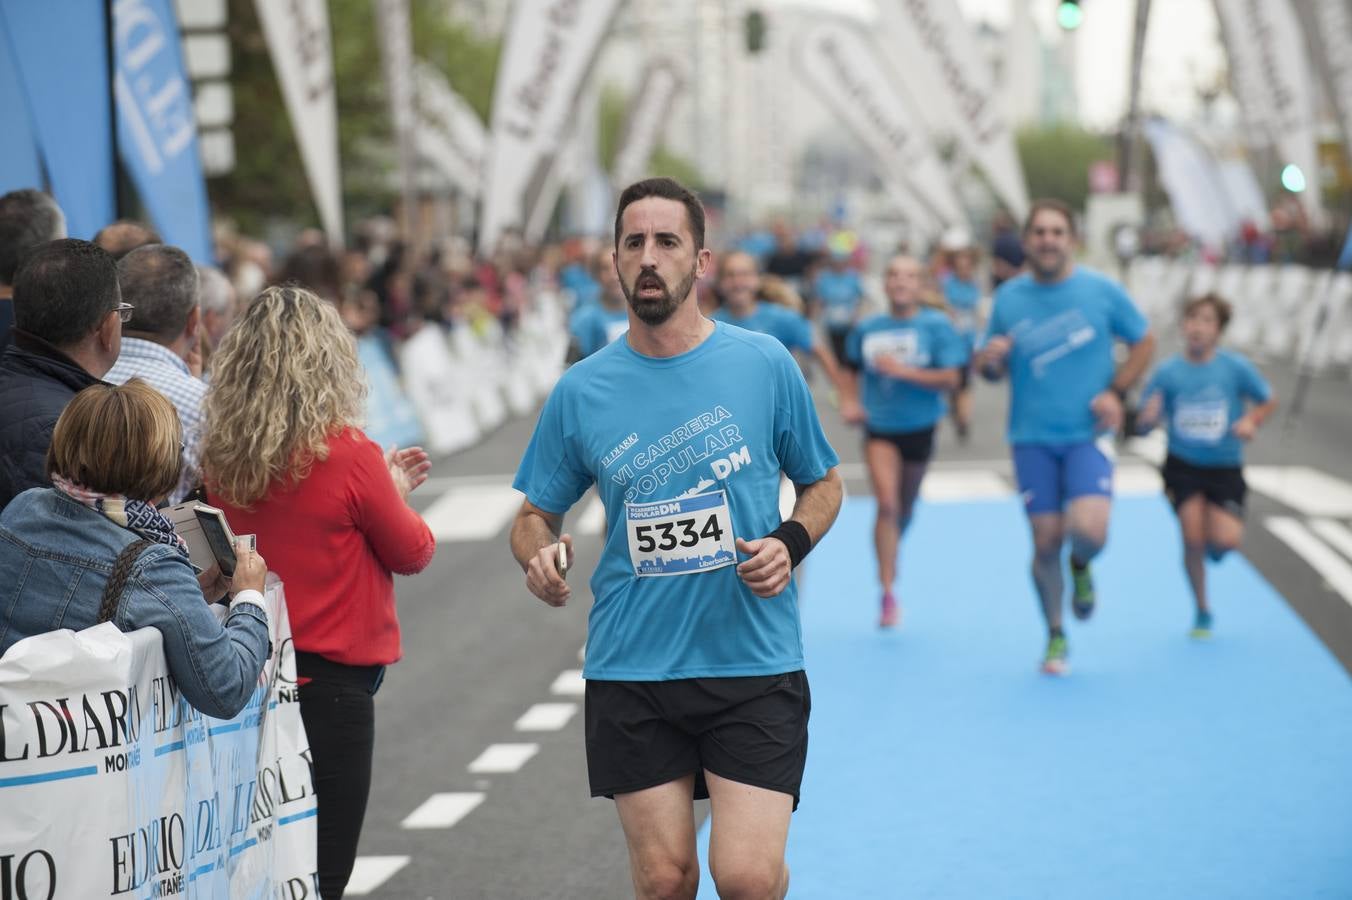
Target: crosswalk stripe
(569,684)
(1306,490)
(942,486)
(1323,559)
(370,872)
(1336,533)
(546,717)
(501,758)
(1134,480)
(472,512)
(443,810)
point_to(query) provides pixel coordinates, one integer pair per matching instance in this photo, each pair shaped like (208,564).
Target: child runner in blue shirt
(906,361)
(1212,401)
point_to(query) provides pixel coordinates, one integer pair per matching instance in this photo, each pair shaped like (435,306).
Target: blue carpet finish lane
(942,764)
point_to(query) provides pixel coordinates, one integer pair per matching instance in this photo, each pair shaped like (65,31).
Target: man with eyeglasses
(68,315)
(1052,330)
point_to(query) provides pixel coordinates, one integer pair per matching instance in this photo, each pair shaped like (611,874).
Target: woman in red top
(284,458)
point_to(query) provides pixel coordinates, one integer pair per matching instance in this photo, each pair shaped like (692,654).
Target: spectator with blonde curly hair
(284,457)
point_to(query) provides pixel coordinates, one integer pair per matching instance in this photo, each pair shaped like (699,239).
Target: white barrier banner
(1270,74)
(111,785)
(549,48)
(846,72)
(937,59)
(449,133)
(302,55)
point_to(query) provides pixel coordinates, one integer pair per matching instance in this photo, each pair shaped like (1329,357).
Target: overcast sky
(1183,49)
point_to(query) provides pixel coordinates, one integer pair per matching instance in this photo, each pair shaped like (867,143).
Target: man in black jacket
(67,334)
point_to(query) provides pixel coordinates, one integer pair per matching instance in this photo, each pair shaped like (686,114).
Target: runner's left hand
(768,570)
(1244,428)
(1107,408)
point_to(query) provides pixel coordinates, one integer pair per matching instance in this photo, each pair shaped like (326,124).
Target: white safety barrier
(1281,312)
(111,785)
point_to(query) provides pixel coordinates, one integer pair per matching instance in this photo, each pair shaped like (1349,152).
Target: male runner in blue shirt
(1052,330)
(694,667)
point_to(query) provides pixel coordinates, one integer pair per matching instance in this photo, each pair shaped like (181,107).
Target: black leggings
(338,708)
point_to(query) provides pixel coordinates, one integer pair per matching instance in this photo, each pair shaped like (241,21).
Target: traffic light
(1068,14)
(754,27)
(1293,179)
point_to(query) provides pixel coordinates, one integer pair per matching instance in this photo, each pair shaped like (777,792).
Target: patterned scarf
(136,515)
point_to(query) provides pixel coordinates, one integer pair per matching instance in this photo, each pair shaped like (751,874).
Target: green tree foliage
(268,183)
(1056,161)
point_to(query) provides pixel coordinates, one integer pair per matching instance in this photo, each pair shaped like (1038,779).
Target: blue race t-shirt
(839,294)
(963,298)
(1062,354)
(791,329)
(927,340)
(686,454)
(1202,402)
(597,326)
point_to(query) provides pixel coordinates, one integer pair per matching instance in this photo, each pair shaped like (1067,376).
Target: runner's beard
(656,310)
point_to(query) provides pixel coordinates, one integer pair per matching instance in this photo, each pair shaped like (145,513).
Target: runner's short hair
(1050,203)
(1219,304)
(667,189)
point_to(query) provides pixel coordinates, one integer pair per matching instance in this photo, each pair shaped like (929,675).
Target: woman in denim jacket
(114,453)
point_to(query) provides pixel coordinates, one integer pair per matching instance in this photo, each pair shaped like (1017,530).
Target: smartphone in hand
(562,559)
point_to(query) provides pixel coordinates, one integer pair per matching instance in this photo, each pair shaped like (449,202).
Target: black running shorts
(838,338)
(1222,486)
(750,730)
(914,446)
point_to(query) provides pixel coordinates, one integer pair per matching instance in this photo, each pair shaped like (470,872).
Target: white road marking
(1135,480)
(953,486)
(546,717)
(442,810)
(1336,533)
(500,758)
(788,496)
(1152,447)
(593,518)
(370,872)
(1306,490)
(569,684)
(472,512)
(1333,568)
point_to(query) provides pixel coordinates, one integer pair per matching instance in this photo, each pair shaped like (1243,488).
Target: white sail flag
(302,55)
(649,110)
(845,70)
(1270,75)
(449,133)
(396,53)
(1328,26)
(549,48)
(936,58)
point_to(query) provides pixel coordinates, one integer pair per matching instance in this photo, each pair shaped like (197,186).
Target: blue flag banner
(58,59)
(1345,258)
(156,127)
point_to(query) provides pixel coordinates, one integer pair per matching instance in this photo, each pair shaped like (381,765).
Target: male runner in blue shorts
(695,683)
(1052,330)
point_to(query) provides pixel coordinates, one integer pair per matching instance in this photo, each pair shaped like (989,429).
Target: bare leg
(1087,527)
(1192,523)
(1048,534)
(1224,531)
(885,469)
(749,829)
(659,827)
(912,475)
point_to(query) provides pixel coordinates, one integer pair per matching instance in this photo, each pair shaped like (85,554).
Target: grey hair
(215,293)
(28,219)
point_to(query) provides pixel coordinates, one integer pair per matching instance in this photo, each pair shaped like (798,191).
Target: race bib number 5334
(681,536)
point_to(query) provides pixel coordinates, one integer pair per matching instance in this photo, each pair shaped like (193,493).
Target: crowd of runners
(688,403)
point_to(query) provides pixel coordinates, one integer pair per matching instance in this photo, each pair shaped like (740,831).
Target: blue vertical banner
(20,165)
(156,124)
(1345,258)
(58,58)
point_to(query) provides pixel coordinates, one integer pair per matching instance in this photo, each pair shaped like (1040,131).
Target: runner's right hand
(1149,414)
(995,351)
(542,573)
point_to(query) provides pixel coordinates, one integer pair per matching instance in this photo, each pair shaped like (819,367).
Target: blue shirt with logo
(839,294)
(729,415)
(1062,353)
(791,329)
(926,340)
(1202,402)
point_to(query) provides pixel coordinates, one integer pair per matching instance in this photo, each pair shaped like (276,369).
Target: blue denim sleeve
(215,664)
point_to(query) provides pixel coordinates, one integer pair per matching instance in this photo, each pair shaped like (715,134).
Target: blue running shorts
(1052,475)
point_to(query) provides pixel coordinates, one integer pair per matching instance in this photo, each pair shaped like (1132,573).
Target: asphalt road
(479,651)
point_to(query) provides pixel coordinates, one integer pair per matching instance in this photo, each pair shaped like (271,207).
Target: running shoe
(1054,662)
(1201,626)
(891,611)
(1082,600)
